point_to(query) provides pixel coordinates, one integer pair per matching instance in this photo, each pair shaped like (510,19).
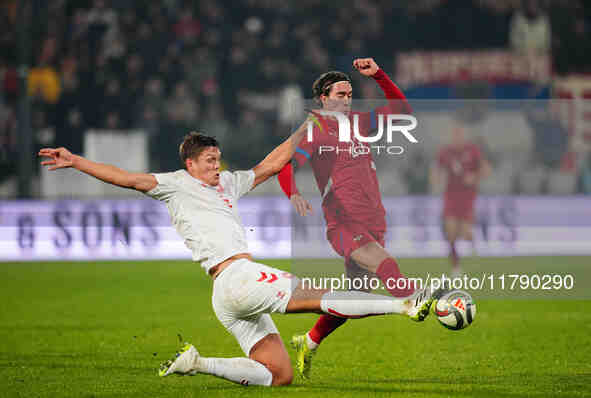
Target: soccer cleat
(303,355)
(183,362)
(422,302)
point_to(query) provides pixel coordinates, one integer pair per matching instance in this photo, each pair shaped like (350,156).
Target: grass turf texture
(101,330)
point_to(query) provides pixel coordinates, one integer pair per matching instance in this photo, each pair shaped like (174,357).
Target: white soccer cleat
(421,302)
(183,362)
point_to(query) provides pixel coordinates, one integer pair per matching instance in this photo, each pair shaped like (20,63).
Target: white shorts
(245,293)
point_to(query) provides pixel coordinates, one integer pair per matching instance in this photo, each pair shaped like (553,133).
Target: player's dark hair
(193,144)
(323,84)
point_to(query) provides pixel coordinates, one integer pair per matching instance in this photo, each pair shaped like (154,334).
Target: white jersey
(205,216)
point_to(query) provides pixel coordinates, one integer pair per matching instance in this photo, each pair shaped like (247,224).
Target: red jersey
(345,172)
(459,162)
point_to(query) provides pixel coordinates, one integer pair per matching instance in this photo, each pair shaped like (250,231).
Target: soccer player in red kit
(351,201)
(463,166)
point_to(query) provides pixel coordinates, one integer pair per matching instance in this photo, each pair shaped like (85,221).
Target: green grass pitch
(82,329)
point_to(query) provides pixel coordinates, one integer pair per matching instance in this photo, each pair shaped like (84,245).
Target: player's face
(339,98)
(207,166)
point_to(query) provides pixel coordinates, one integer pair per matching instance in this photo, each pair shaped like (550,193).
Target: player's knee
(283,380)
(282,376)
(281,370)
(370,256)
(467,231)
(451,233)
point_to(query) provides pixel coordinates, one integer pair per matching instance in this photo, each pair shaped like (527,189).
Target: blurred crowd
(234,68)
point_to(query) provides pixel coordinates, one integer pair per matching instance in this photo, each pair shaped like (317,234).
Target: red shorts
(345,238)
(459,206)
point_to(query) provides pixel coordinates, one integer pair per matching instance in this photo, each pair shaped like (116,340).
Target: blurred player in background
(461,166)
(351,198)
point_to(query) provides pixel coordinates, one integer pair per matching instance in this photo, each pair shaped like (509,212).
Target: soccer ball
(455,310)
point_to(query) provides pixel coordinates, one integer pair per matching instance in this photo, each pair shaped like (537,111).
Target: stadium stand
(532,181)
(560,183)
(230,67)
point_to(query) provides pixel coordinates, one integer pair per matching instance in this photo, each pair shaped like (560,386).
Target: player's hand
(366,66)
(60,158)
(301,205)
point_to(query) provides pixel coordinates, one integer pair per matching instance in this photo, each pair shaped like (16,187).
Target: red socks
(324,326)
(390,275)
(393,280)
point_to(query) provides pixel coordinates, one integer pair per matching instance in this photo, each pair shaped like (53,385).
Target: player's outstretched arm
(60,158)
(279,157)
(368,67)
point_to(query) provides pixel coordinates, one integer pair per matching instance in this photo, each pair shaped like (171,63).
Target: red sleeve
(287,180)
(392,92)
(304,152)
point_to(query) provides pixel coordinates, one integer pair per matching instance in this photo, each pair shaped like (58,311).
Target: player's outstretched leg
(243,371)
(350,304)
(374,258)
(422,301)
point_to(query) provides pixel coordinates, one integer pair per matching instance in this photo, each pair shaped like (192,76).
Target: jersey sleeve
(242,182)
(304,152)
(166,187)
(397,102)
(287,181)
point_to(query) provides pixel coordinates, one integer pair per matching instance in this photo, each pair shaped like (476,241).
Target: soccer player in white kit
(202,202)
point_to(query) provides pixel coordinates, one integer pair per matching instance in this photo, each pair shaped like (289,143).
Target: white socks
(243,371)
(311,343)
(359,304)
